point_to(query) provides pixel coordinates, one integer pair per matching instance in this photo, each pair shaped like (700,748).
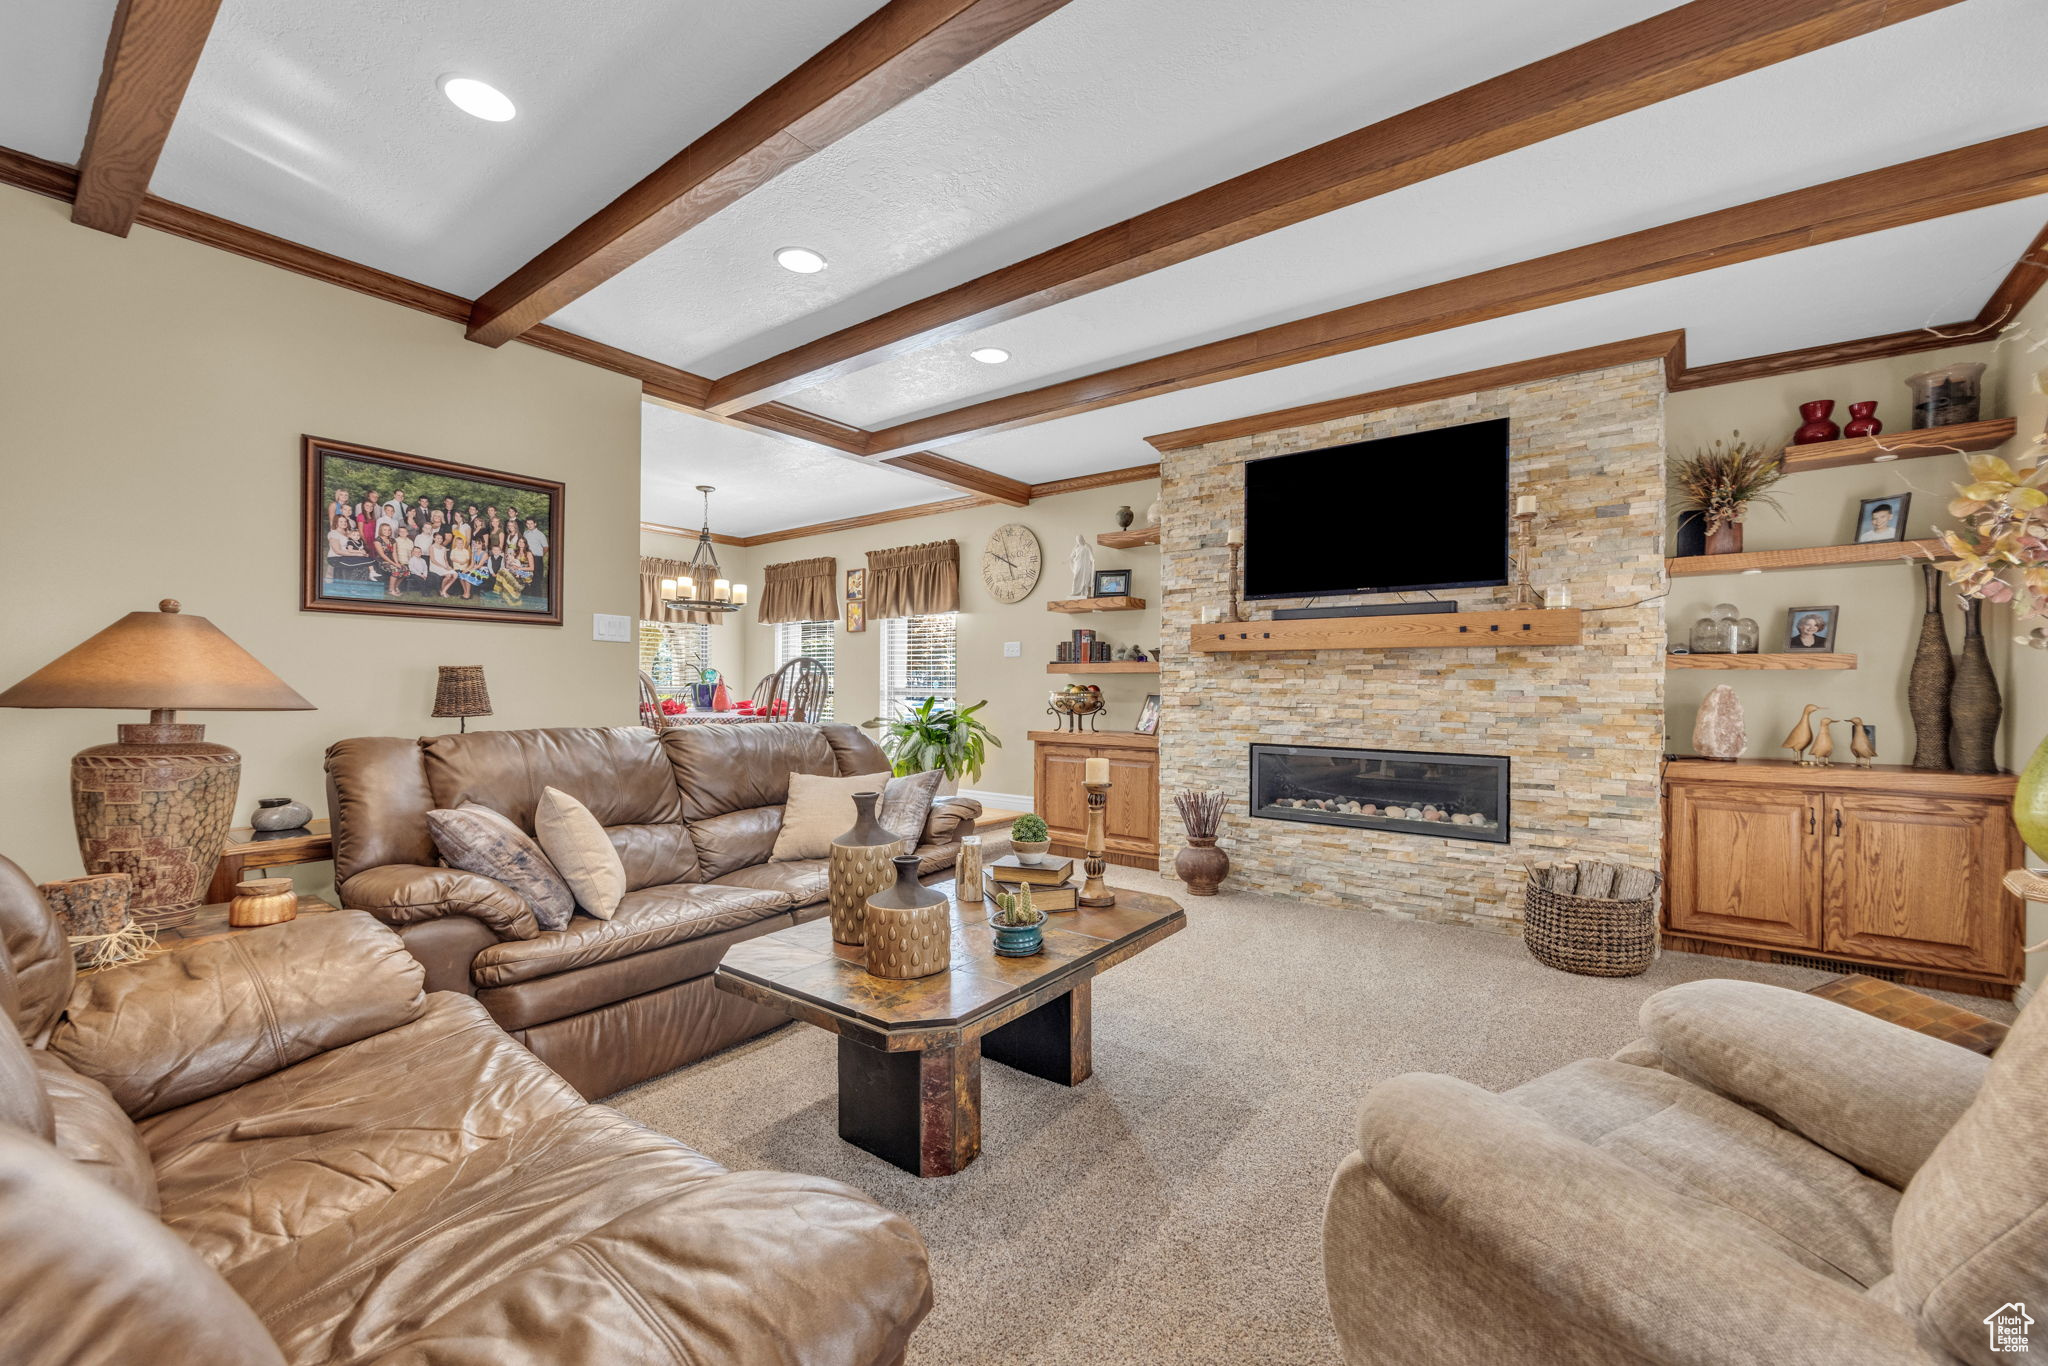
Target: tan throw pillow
(575,842)
(819,811)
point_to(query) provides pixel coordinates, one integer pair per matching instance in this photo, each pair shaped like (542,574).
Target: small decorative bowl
(1018,941)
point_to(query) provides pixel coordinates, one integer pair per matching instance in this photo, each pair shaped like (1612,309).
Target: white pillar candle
(739,594)
(721,590)
(1095,770)
(668,588)
(686,587)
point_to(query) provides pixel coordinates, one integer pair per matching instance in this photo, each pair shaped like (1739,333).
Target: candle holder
(1522,597)
(1094,891)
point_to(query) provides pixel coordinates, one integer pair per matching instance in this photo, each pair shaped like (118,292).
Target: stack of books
(1082,648)
(1050,881)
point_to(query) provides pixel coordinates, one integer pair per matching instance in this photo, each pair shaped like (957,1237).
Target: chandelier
(704,588)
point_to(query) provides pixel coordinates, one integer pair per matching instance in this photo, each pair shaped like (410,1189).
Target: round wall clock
(1010,563)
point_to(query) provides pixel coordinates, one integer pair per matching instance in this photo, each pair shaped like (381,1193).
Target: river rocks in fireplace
(1459,796)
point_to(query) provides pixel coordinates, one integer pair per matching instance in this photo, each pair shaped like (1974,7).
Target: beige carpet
(1168,1210)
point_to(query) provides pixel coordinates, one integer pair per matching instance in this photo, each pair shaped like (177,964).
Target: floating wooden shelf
(1136,536)
(1869,450)
(1114,666)
(1814,660)
(1455,630)
(1122,604)
(1807,557)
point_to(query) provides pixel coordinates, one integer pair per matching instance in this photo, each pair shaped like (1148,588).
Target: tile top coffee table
(910,1051)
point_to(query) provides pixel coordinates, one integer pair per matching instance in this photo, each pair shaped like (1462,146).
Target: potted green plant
(1721,482)
(1019,925)
(1029,839)
(937,735)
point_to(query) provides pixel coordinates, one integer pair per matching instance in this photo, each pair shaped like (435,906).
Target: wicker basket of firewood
(1595,919)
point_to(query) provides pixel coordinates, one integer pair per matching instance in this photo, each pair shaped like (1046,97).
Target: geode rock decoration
(1718,731)
(279,813)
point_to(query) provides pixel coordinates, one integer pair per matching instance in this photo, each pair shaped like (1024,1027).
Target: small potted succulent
(1029,839)
(1019,925)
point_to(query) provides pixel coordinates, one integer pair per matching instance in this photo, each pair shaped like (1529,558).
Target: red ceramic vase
(1862,421)
(1816,427)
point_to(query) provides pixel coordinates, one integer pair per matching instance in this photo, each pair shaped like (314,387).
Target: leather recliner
(277,1147)
(693,812)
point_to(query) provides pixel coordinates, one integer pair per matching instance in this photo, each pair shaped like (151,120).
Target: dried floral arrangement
(1723,480)
(2002,548)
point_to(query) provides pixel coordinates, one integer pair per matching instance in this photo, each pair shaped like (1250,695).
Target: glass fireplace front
(1458,796)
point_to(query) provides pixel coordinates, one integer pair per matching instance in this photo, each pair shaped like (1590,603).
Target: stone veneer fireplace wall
(1583,725)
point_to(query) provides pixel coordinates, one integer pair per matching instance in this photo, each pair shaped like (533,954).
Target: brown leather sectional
(693,812)
(280,1147)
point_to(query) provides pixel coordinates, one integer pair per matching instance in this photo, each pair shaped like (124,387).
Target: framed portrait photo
(407,536)
(856,618)
(856,584)
(1811,630)
(1112,583)
(1883,519)
(1148,716)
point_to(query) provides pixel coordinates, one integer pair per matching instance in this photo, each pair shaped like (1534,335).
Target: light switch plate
(607,626)
(1013,649)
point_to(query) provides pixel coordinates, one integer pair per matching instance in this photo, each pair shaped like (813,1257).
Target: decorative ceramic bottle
(1974,706)
(859,867)
(909,926)
(1862,420)
(1927,685)
(1817,427)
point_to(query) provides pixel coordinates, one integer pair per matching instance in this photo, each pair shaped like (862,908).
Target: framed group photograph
(1883,519)
(1811,629)
(407,536)
(856,584)
(1112,583)
(1148,716)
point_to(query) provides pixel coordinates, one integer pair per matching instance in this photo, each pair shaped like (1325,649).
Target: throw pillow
(907,803)
(819,811)
(479,840)
(575,842)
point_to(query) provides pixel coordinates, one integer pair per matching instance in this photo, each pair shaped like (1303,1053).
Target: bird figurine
(1823,751)
(1859,743)
(1802,734)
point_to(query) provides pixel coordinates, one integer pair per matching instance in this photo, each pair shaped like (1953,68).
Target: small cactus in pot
(1019,925)
(1029,839)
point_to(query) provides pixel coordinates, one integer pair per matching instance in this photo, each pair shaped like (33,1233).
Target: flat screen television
(1428,510)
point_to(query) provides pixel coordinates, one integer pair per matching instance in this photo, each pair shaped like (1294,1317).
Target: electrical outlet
(608,626)
(1013,649)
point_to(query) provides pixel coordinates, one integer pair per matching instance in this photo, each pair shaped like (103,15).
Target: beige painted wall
(1881,607)
(152,396)
(1015,688)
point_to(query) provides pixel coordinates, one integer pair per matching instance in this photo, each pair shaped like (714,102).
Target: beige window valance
(652,572)
(914,580)
(799,590)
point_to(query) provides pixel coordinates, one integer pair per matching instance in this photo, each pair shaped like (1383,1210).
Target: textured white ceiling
(324,123)
(1105,109)
(50,52)
(1932,272)
(763,482)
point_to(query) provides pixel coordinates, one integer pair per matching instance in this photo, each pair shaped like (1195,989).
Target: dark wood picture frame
(1148,716)
(313,584)
(1106,581)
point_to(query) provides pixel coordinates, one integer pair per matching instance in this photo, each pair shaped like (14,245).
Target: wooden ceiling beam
(969,478)
(152,49)
(1680,50)
(899,50)
(1994,172)
(2018,287)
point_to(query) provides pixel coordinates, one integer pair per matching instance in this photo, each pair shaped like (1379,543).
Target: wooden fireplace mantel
(1434,631)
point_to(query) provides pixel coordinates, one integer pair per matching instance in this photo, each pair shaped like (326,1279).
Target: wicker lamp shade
(461,691)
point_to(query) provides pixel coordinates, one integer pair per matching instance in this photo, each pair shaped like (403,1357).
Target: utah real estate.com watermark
(2008,1326)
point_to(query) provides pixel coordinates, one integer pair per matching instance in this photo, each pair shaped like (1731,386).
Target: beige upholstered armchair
(1768,1177)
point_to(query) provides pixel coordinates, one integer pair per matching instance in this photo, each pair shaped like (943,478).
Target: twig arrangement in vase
(1721,482)
(1200,864)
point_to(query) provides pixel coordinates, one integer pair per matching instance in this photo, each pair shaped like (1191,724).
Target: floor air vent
(1800,960)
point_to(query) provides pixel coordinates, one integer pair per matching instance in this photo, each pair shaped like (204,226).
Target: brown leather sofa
(278,1148)
(693,813)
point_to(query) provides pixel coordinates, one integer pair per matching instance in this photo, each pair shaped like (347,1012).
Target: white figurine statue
(1083,561)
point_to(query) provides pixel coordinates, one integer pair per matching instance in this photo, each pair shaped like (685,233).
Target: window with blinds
(672,653)
(814,639)
(918,661)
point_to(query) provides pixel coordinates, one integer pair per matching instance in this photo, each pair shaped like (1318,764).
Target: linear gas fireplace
(1459,796)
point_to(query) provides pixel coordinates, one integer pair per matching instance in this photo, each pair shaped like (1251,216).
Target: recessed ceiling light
(474,97)
(990,355)
(802,260)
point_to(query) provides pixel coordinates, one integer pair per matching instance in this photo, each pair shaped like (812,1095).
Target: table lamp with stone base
(156,804)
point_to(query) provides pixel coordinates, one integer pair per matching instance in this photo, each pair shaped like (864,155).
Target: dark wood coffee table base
(910,1053)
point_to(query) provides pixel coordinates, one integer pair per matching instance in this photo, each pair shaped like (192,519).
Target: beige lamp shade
(157,661)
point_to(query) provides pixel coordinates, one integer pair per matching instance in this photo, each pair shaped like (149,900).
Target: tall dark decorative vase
(861,865)
(1927,686)
(1974,705)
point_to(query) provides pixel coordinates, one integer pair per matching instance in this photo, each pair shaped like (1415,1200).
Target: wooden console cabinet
(1132,820)
(1886,867)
